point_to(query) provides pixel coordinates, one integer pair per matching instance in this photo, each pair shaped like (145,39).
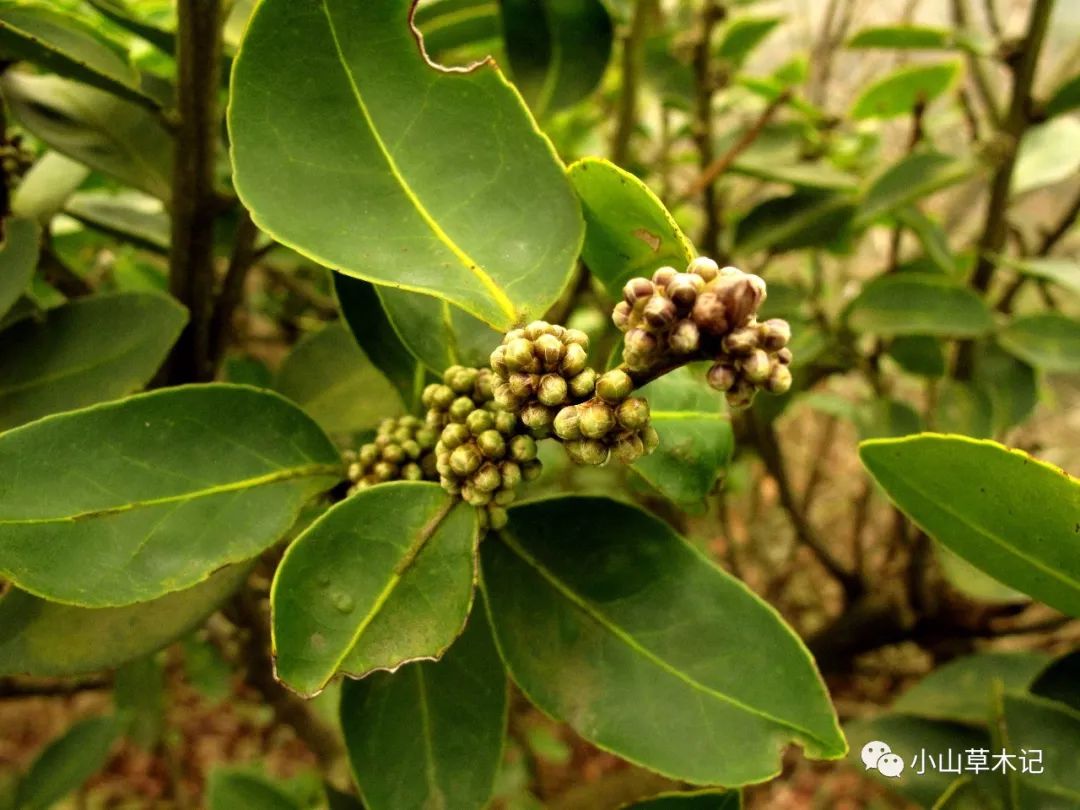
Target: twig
(632,56)
(324,305)
(961,19)
(704,83)
(232,286)
(11,689)
(1056,233)
(191,255)
(992,20)
(817,468)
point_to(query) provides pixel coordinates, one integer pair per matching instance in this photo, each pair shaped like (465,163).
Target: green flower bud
(537,328)
(497,517)
(552,390)
(614,386)
(487,478)
(633,413)
(595,419)
(704,267)
(741,341)
(537,418)
(451,485)
(387,427)
(511,474)
(513,334)
(505,398)
(639,349)
(574,361)
(412,449)
(384,471)
(651,439)
(685,338)
(504,497)
(393,453)
(663,276)
(443,468)
(583,384)
(465,459)
(491,444)
(497,361)
(519,354)
(368,455)
(550,351)
(756,366)
(505,422)
(522,448)
(779,381)
(460,409)
(427,397)
(721,377)
(426,438)
(484,388)
(659,312)
(479,420)
(620,316)
(566,423)
(402,434)
(774,334)
(741,395)
(587,451)
(474,496)
(629,449)
(355,472)
(409,421)
(442,397)
(523,386)
(531,470)
(637,289)
(412,472)
(576,337)
(460,379)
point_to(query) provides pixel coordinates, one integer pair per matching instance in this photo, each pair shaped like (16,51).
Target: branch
(191,255)
(243,257)
(11,689)
(975,68)
(711,14)
(632,54)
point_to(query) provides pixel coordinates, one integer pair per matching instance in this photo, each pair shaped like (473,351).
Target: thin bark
(632,56)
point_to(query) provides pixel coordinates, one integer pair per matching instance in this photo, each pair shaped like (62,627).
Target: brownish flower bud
(684,288)
(637,289)
(784,356)
(685,338)
(663,276)
(620,316)
(474,496)
(756,366)
(577,337)
(704,267)
(739,298)
(721,377)
(629,449)
(774,334)
(639,348)
(741,341)
(505,398)
(709,313)
(659,312)
(779,381)
(741,395)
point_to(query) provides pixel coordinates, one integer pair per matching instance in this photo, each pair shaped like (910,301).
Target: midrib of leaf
(431,771)
(309,470)
(641,650)
(456,17)
(683,416)
(501,299)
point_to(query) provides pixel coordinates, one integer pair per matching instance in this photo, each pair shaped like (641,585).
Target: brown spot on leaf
(649,238)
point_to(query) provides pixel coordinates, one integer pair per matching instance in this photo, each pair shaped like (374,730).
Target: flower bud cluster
(609,423)
(403,450)
(538,370)
(706,312)
(483,451)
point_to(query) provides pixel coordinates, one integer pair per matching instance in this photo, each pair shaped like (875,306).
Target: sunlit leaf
(900,91)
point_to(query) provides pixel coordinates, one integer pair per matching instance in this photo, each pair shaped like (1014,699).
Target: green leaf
(438,333)
(370,326)
(331,378)
(1049,341)
(964,408)
(232,789)
(128,215)
(801,220)
(1052,729)
(696,439)
(1012,385)
(741,35)
(431,734)
(919,354)
(808,175)
(967,794)
(999,509)
(67,762)
(152,492)
(960,691)
(887,418)
(913,177)
(692,800)
(93,127)
(47,186)
(116,11)
(18,258)
(900,91)
(1060,681)
(63,43)
(612,623)
(628,231)
(1047,154)
(558,49)
(907,736)
(139,698)
(1063,272)
(920,37)
(500,241)
(1065,98)
(934,240)
(977,584)
(86,351)
(42,638)
(383,578)
(919,304)
(449,24)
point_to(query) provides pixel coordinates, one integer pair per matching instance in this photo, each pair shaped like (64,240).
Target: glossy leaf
(977,584)
(696,439)
(920,37)
(47,186)
(741,35)
(231,789)
(370,326)
(437,332)
(913,177)
(1063,272)
(1053,729)
(965,408)
(63,43)
(612,623)
(86,351)
(331,378)
(1060,681)
(128,216)
(628,231)
(919,304)
(558,49)
(900,91)
(18,258)
(1049,341)
(809,175)
(692,800)
(1046,155)
(150,491)
(67,762)
(383,578)
(1017,524)
(961,690)
(431,734)
(42,638)
(919,354)
(449,24)
(93,127)
(1011,384)
(886,418)
(1065,98)
(801,220)
(383,131)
